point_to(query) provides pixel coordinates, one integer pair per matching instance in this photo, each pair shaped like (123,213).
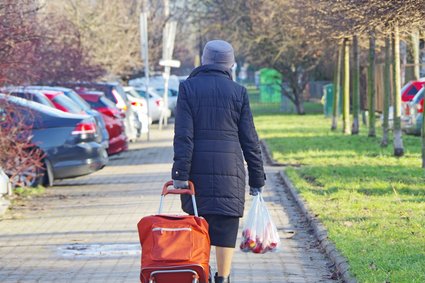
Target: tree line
(297,37)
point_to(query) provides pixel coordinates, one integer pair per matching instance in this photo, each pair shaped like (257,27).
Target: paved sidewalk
(84,229)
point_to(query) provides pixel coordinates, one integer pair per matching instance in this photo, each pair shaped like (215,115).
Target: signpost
(168,37)
(144,46)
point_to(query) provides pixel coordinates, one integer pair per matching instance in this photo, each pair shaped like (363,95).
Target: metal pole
(166,83)
(145,55)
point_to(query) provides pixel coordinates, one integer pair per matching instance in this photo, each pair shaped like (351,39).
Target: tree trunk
(398,141)
(297,91)
(300,108)
(346,97)
(356,87)
(415,49)
(335,106)
(403,58)
(387,91)
(423,140)
(371,85)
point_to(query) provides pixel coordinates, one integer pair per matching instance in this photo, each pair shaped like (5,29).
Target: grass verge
(372,204)
(29,192)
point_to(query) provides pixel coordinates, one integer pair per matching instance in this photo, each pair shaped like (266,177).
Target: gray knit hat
(218,52)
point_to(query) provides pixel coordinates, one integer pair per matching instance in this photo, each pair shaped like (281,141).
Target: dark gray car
(67,140)
(103,136)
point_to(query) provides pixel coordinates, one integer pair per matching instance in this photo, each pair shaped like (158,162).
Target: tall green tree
(398,140)
(337,89)
(371,84)
(415,49)
(356,86)
(346,93)
(387,91)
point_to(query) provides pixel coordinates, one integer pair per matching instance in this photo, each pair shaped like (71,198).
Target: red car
(62,102)
(412,113)
(113,118)
(409,91)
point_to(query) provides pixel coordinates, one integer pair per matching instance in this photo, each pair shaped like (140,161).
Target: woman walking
(213,123)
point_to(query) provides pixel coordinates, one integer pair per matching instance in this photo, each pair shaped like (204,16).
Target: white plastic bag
(259,234)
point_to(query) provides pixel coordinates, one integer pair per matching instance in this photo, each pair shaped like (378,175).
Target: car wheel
(30,177)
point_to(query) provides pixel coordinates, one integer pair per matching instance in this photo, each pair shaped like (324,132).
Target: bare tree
(398,141)
(20,159)
(109,31)
(60,54)
(17,40)
(267,33)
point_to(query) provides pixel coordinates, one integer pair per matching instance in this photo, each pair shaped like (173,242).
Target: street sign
(144,43)
(169,63)
(168,37)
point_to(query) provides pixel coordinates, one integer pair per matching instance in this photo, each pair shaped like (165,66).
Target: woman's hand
(255,191)
(178,184)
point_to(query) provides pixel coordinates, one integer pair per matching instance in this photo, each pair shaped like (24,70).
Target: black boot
(220,279)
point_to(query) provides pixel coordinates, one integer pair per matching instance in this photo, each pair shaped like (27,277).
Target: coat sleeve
(250,144)
(183,137)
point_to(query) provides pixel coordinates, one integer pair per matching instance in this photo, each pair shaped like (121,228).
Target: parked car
(67,140)
(62,102)
(172,97)
(113,118)
(158,84)
(103,136)
(116,94)
(412,112)
(409,90)
(156,103)
(140,106)
(29,94)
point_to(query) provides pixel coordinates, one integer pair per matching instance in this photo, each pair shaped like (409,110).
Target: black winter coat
(213,123)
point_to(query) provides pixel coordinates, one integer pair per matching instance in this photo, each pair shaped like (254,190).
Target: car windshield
(419,95)
(132,92)
(121,91)
(67,103)
(412,91)
(171,92)
(107,102)
(77,99)
(36,98)
(142,93)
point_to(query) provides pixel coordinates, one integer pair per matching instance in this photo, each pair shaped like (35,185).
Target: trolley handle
(188,191)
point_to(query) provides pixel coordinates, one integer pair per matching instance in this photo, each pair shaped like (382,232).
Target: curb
(268,155)
(320,232)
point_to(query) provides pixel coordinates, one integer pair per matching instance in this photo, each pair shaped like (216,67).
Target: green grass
(29,192)
(372,203)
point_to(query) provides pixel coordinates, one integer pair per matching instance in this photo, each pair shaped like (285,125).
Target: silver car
(156,105)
